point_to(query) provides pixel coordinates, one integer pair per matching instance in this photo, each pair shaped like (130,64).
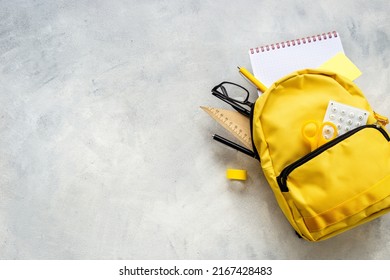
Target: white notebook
(274,61)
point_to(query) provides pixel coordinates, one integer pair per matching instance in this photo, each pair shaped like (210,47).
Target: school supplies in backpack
(323,187)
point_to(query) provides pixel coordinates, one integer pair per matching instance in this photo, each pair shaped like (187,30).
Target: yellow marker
(252,78)
(236,174)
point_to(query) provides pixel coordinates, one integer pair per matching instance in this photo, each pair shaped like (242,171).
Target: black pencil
(233,145)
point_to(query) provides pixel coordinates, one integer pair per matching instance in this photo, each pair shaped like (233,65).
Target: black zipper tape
(282,178)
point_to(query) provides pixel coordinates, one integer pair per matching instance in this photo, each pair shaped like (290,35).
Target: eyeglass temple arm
(240,109)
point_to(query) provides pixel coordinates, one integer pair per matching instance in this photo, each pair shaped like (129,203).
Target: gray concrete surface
(104,152)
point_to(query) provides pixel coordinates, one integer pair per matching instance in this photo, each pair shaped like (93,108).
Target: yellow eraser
(342,65)
(236,174)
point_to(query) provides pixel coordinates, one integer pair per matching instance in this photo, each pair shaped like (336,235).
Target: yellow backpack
(337,186)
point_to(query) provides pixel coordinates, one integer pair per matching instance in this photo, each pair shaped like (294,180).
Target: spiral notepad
(274,61)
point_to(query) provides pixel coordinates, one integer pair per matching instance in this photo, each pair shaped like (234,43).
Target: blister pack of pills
(345,117)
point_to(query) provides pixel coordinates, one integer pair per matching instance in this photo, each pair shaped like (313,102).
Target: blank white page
(274,61)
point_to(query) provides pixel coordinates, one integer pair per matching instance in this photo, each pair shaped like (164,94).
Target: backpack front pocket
(347,178)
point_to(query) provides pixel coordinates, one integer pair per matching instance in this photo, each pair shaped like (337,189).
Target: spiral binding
(290,43)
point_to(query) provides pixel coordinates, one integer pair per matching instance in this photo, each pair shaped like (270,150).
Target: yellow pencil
(252,78)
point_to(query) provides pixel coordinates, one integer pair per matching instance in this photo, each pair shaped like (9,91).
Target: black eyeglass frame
(236,104)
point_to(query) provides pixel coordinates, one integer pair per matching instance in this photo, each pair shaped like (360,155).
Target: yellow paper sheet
(342,65)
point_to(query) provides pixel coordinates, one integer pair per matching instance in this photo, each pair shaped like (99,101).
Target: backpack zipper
(282,178)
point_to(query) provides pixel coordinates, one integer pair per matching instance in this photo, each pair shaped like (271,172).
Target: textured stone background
(104,152)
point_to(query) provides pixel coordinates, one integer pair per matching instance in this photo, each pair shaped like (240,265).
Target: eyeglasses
(235,95)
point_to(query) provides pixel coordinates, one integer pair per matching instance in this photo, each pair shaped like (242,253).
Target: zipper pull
(382,120)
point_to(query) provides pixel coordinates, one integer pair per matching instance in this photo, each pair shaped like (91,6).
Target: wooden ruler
(234,122)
